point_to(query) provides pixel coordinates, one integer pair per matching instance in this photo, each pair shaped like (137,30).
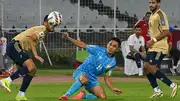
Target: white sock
(172,85)
(9,79)
(156,89)
(174,67)
(21,93)
(140,71)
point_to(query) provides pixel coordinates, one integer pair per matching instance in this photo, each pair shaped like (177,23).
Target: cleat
(157,95)
(79,96)
(174,91)
(22,98)
(5,84)
(64,97)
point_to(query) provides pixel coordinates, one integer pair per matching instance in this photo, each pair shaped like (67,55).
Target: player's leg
(27,78)
(99,92)
(137,57)
(151,77)
(94,89)
(13,52)
(28,69)
(83,95)
(80,80)
(175,54)
(158,57)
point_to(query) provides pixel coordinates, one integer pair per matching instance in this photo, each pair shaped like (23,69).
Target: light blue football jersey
(97,63)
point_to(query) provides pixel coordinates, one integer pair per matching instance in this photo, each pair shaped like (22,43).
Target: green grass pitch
(133,91)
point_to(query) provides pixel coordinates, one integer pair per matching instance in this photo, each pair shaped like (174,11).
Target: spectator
(144,26)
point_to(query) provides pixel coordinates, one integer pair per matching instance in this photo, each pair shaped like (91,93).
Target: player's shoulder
(161,14)
(95,46)
(139,22)
(141,37)
(114,61)
(132,36)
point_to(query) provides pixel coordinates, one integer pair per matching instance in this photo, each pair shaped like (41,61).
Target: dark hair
(147,13)
(46,18)
(159,1)
(117,40)
(137,26)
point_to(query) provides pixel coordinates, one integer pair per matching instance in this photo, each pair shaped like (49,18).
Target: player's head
(52,20)
(154,5)
(113,46)
(147,16)
(137,30)
(48,26)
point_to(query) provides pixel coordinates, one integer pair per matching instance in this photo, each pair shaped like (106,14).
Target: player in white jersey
(137,49)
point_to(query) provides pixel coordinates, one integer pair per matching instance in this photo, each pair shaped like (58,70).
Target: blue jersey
(97,63)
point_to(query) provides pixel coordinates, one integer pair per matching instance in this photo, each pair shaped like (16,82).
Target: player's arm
(170,42)
(33,37)
(170,45)
(92,49)
(143,50)
(132,49)
(74,41)
(108,81)
(163,22)
(131,44)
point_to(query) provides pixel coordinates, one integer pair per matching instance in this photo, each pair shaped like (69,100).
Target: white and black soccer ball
(55,18)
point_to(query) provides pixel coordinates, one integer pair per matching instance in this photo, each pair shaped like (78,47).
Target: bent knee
(146,65)
(102,96)
(33,72)
(83,79)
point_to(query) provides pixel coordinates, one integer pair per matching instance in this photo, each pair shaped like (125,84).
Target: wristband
(154,39)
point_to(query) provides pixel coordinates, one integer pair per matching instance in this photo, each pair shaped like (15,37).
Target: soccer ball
(55,18)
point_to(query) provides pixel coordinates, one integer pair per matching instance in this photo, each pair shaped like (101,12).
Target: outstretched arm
(108,82)
(33,48)
(74,41)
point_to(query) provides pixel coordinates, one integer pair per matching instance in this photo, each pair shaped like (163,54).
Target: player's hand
(40,59)
(65,35)
(143,54)
(116,91)
(150,43)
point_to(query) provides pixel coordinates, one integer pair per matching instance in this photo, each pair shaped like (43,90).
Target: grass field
(133,91)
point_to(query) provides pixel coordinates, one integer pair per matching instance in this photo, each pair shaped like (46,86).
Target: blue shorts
(15,52)
(90,84)
(154,58)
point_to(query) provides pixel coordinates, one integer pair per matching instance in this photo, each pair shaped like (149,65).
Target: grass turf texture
(69,72)
(133,91)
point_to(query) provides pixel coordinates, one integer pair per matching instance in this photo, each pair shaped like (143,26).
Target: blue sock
(163,77)
(152,80)
(89,96)
(74,88)
(26,81)
(21,71)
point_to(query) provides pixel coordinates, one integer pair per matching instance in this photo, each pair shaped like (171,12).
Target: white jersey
(136,42)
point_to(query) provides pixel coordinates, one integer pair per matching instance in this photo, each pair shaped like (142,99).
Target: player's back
(95,65)
(25,37)
(157,23)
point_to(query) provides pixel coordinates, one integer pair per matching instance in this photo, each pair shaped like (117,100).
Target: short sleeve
(130,41)
(163,20)
(109,72)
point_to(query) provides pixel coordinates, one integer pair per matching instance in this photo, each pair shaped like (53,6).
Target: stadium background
(92,21)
